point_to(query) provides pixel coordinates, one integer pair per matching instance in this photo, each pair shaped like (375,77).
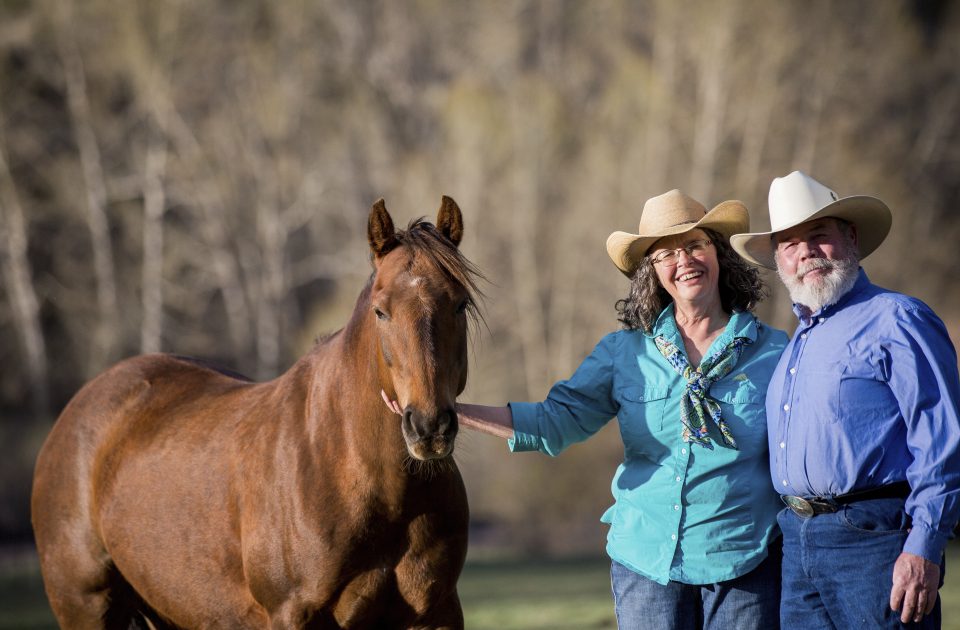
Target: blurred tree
(20,294)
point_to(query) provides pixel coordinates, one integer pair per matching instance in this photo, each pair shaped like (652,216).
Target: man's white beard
(828,288)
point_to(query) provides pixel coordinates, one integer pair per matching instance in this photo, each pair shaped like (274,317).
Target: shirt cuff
(925,542)
(526,430)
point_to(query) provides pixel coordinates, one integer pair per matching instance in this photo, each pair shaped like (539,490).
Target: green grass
(23,604)
(554,595)
(496,595)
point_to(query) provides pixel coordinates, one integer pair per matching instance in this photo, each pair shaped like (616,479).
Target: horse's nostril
(416,424)
(447,422)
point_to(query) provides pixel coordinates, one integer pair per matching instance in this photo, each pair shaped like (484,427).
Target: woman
(694,512)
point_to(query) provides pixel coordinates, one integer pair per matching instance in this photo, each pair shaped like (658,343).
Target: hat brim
(871,217)
(626,250)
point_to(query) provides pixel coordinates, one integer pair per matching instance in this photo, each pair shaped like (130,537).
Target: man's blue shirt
(682,512)
(865,395)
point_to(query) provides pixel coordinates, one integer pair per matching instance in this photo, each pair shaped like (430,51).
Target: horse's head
(421,294)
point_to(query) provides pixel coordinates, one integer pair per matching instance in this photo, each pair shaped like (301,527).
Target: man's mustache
(815,264)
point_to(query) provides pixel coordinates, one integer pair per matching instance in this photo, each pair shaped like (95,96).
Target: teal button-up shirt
(681,512)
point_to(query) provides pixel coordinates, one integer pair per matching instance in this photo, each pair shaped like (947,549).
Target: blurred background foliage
(194,177)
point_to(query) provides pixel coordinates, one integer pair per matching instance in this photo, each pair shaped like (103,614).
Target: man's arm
(923,377)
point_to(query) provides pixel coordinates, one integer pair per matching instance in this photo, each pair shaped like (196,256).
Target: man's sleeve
(925,381)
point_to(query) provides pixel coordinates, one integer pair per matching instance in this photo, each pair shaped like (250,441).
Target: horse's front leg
(289,618)
(447,614)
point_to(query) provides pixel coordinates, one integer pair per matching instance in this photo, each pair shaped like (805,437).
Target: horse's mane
(210,365)
(424,238)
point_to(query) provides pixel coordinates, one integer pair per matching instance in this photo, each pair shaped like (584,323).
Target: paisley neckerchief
(695,403)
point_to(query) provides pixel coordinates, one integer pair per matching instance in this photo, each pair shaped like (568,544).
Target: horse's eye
(380,314)
(462,307)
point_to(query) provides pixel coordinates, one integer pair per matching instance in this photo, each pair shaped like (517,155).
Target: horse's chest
(362,568)
(367,582)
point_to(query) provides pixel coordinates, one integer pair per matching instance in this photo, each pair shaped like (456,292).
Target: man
(862,416)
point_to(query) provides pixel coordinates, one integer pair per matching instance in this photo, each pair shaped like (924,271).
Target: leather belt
(807,507)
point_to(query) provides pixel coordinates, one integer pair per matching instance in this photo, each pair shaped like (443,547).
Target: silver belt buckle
(800,506)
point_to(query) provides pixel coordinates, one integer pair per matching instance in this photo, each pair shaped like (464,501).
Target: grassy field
(497,595)
(554,595)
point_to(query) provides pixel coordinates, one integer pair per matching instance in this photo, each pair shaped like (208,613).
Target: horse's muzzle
(429,437)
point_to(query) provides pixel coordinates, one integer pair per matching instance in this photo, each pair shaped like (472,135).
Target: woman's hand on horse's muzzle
(392,405)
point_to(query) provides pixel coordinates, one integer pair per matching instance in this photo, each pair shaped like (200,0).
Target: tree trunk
(659,95)
(712,80)
(107,333)
(154,201)
(20,292)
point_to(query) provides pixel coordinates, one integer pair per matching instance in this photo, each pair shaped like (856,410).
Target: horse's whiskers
(427,469)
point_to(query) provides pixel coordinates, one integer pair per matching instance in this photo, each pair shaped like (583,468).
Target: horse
(170,494)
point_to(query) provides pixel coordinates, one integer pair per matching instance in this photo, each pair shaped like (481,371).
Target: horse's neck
(345,410)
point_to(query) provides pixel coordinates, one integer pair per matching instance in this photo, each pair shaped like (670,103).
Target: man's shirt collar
(860,285)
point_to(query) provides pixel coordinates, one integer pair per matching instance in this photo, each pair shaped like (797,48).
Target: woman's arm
(496,421)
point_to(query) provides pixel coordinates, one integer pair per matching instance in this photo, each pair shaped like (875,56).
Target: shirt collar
(859,286)
(666,324)
(741,324)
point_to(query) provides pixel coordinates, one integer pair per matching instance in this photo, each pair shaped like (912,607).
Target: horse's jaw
(437,447)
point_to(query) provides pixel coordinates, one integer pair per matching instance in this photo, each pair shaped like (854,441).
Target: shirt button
(676,507)
(673,536)
(820,320)
(786,407)
(793,370)
(678,478)
(683,451)
(784,482)
(803,335)
(783,445)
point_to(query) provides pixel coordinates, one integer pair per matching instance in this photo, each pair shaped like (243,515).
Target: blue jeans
(749,602)
(838,568)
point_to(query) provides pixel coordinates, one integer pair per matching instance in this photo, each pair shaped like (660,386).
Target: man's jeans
(838,568)
(749,602)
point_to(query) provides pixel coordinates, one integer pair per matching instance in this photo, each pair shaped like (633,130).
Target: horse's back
(131,401)
(108,461)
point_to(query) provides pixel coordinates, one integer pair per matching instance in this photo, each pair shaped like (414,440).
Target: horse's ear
(449,220)
(380,232)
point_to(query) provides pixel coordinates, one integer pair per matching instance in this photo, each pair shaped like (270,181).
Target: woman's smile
(688,276)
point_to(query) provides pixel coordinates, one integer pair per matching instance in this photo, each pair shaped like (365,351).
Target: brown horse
(170,494)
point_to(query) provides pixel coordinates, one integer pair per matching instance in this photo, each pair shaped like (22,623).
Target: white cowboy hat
(798,198)
(668,214)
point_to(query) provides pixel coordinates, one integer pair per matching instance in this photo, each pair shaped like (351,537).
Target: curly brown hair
(740,288)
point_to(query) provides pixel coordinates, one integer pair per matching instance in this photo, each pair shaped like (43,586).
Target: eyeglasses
(670,257)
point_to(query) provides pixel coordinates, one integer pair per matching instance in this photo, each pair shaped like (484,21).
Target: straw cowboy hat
(668,214)
(798,198)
